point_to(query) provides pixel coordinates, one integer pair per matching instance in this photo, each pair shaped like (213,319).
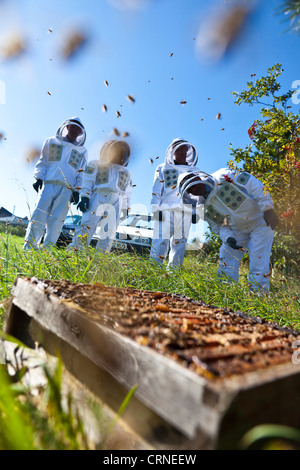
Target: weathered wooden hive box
(204,375)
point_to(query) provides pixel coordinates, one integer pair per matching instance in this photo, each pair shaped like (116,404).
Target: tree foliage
(273,154)
(291,10)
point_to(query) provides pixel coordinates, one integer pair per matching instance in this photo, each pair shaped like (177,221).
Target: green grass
(196,279)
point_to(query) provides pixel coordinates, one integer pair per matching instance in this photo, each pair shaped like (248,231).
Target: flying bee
(74,42)
(12,47)
(130,98)
(104,108)
(105,82)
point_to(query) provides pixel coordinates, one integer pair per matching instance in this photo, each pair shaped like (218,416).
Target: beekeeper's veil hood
(62,131)
(203,181)
(115,151)
(191,156)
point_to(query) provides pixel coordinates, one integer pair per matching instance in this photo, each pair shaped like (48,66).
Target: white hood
(113,148)
(192,154)
(62,131)
(189,179)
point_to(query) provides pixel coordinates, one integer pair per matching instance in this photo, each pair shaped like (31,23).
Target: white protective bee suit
(60,169)
(235,207)
(108,189)
(172,220)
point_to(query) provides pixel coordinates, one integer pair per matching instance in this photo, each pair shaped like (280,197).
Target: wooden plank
(142,424)
(127,361)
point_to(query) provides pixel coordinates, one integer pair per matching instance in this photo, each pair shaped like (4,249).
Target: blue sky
(131,49)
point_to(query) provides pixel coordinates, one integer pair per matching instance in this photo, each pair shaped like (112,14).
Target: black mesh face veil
(191,156)
(205,185)
(187,180)
(62,131)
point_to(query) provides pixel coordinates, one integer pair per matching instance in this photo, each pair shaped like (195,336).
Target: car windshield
(138,221)
(72,220)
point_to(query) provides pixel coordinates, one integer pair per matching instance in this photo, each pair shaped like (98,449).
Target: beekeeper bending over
(58,175)
(105,193)
(238,210)
(171,219)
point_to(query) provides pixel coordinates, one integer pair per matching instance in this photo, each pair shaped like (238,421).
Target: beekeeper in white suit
(171,219)
(241,212)
(58,175)
(105,193)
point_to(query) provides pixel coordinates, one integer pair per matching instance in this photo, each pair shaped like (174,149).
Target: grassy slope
(197,278)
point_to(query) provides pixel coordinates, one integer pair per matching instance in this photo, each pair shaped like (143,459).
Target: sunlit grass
(196,279)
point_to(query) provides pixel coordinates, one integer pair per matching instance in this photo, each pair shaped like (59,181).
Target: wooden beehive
(204,375)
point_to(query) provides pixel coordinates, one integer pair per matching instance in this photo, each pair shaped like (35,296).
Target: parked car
(134,234)
(68,229)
